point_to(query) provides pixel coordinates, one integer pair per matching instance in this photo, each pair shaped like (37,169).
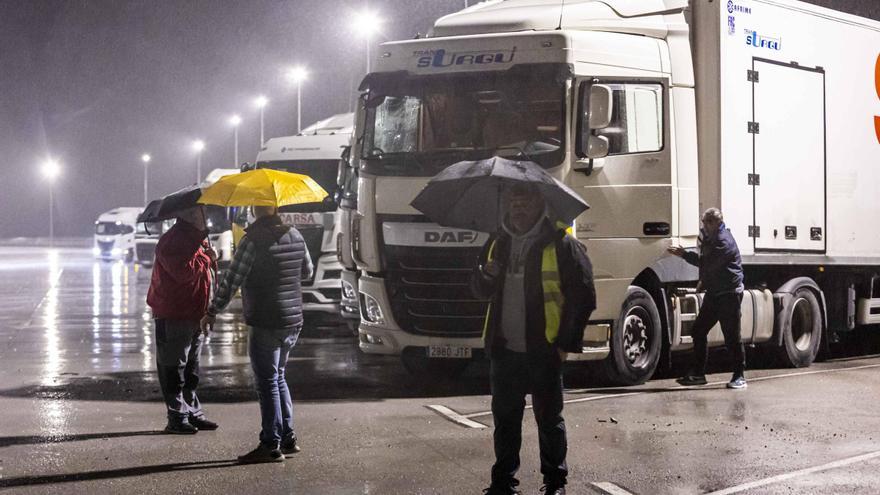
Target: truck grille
(430,290)
(105,246)
(145,251)
(314,237)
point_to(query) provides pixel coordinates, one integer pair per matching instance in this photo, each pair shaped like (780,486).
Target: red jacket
(180,287)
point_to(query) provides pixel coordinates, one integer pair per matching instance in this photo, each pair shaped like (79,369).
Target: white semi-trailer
(654,110)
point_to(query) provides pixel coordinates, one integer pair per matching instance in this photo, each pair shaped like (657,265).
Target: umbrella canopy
(263,187)
(468,194)
(169,206)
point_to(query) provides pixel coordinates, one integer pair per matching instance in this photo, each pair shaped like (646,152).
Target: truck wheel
(418,364)
(635,340)
(801,322)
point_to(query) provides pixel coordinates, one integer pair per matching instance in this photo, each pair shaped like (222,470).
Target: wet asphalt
(80,410)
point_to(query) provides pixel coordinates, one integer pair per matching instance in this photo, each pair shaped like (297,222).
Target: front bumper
(324,293)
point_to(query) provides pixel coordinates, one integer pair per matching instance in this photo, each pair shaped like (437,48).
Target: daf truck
(653,110)
(315,152)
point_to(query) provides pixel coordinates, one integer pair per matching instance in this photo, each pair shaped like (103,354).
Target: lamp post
(297,75)
(234,121)
(261,103)
(146,159)
(51,170)
(198,146)
(367,23)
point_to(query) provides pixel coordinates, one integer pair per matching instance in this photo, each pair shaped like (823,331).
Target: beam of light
(261,101)
(198,145)
(297,74)
(366,23)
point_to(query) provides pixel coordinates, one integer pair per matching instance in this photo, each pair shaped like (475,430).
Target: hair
(714,214)
(522,189)
(264,211)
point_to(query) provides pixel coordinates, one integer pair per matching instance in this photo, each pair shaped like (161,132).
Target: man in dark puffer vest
(269,265)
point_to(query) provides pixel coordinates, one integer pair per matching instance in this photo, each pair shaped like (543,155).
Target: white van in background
(115,234)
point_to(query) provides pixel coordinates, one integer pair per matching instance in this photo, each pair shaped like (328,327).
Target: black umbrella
(171,205)
(468,195)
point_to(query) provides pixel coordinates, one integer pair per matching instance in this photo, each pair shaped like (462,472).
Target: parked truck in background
(346,199)
(315,152)
(115,234)
(219,220)
(654,110)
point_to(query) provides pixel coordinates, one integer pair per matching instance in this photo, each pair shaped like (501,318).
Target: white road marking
(801,472)
(607,488)
(456,417)
(465,419)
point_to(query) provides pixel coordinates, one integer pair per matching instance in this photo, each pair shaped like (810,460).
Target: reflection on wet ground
(89,336)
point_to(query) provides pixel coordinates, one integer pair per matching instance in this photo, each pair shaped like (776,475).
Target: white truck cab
(653,110)
(315,152)
(115,234)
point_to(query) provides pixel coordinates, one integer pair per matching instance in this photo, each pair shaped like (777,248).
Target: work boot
(289,446)
(180,427)
(553,489)
(689,380)
(203,423)
(737,382)
(262,454)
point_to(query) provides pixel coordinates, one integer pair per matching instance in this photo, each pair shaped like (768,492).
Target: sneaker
(180,427)
(501,490)
(203,423)
(553,489)
(290,446)
(261,454)
(737,382)
(689,380)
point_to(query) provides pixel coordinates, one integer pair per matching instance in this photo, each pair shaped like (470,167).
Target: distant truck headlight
(372,310)
(96,251)
(115,251)
(348,291)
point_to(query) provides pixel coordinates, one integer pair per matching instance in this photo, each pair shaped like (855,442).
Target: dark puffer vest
(272,293)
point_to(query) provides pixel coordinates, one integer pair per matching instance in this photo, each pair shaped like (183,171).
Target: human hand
(491,269)
(207,324)
(676,250)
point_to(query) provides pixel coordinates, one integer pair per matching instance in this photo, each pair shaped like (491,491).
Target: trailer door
(788,178)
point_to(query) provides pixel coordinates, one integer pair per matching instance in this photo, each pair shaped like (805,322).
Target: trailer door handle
(656,228)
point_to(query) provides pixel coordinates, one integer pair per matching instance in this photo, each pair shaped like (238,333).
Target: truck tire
(418,364)
(801,325)
(636,340)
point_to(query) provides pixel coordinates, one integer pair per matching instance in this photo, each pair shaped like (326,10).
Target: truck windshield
(420,125)
(112,228)
(321,171)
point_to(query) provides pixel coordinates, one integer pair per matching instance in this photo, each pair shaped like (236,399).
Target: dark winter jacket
(719,262)
(576,279)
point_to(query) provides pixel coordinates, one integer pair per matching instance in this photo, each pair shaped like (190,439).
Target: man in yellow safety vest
(540,285)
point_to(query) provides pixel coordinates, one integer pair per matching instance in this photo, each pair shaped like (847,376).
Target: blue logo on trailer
(731,25)
(733,8)
(760,41)
(440,58)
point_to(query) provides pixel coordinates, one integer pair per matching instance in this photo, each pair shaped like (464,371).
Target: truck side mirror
(600,106)
(597,147)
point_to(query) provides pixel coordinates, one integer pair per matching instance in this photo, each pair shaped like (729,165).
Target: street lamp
(146,159)
(261,103)
(297,75)
(198,146)
(367,23)
(51,170)
(234,121)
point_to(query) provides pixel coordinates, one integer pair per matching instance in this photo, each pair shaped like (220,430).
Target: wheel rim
(635,336)
(802,324)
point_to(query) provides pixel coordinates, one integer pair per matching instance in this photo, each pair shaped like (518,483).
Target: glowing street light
(366,24)
(297,75)
(261,102)
(235,121)
(198,146)
(50,171)
(146,159)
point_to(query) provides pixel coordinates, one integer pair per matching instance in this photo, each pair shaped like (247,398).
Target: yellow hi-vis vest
(552,287)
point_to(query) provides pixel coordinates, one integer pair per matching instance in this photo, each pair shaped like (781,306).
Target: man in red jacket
(180,290)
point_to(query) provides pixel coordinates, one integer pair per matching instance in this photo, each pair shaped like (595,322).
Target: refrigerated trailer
(653,110)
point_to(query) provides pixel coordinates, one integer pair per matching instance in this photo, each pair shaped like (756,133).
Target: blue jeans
(269,350)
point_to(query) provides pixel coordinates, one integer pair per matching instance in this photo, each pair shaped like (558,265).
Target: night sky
(96,83)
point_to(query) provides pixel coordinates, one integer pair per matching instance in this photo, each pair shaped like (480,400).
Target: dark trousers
(724,308)
(178,345)
(513,375)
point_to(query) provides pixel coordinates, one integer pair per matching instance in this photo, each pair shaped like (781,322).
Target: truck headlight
(115,251)
(348,291)
(372,310)
(96,251)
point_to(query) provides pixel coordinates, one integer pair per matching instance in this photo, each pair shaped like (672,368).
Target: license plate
(449,351)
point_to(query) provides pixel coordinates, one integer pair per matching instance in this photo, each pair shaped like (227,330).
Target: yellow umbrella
(263,187)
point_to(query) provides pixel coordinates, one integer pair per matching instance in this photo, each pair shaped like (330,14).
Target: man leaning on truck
(721,275)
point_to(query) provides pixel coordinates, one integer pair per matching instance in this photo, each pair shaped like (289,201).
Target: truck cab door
(630,188)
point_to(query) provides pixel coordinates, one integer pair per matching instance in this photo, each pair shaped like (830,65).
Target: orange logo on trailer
(877,87)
